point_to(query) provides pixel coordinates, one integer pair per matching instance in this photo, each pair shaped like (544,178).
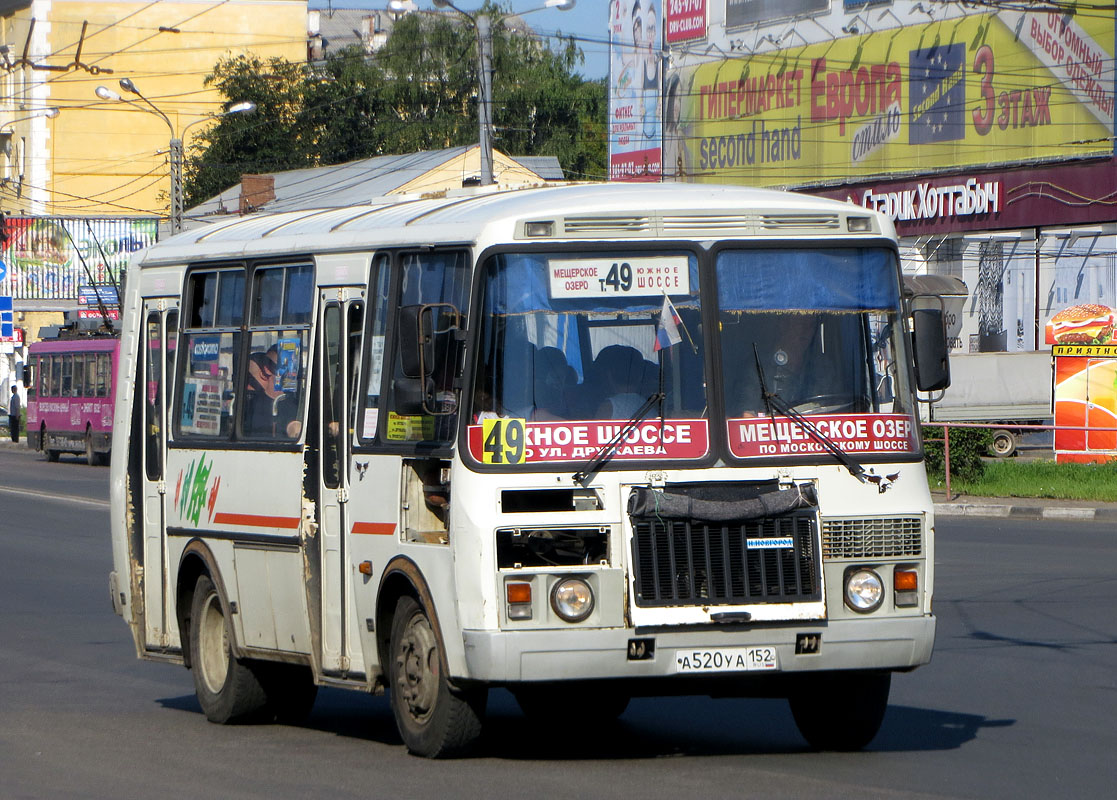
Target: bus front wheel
(91,457)
(435,719)
(840,711)
(227,689)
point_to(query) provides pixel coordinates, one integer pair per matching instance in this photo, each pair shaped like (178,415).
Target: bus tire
(591,703)
(435,719)
(91,457)
(290,690)
(228,690)
(840,711)
(52,455)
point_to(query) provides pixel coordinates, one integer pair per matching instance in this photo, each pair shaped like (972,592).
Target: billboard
(686,20)
(634,90)
(52,258)
(985,88)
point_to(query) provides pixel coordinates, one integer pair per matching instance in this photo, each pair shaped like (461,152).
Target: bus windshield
(573,345)
(821,331)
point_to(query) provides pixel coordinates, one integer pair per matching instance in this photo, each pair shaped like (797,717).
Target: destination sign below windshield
(853,433)
(517,441)
(642,276)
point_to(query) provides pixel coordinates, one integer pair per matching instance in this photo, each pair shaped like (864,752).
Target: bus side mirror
(932,363)
(416,344)
(412,397)
(26,374)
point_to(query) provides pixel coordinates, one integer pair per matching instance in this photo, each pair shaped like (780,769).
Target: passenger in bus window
(269,411)
(553,380)
(622,373)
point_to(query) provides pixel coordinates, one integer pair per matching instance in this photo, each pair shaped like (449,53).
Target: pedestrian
(14,408)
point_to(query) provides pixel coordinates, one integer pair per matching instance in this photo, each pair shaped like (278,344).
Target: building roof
(359,182)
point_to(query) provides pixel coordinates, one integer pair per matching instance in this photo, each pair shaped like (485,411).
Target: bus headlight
(864,589)
(572,599)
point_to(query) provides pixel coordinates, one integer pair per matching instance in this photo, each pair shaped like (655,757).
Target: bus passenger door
(341,314)
(160,330)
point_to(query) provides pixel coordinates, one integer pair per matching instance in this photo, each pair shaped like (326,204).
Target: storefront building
(985,132)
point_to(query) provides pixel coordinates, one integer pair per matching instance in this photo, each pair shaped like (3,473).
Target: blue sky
(588,21)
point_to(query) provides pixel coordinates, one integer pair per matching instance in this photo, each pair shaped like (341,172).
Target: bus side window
(104,367)
(44,376)
(92,389)
(275,381)
(378,328)
(55,388)
(439,278)
(211,343)
(66,386)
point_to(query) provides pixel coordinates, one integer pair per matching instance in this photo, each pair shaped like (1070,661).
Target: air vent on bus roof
(720,222)
(607,225)
(802,222)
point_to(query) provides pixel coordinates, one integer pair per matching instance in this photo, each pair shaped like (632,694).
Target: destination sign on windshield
(642,276)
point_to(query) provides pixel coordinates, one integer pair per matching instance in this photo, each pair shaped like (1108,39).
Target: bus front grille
(687,563)
(872,537)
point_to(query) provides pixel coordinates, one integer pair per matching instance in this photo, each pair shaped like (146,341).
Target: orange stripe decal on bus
(255,520)
(375,528)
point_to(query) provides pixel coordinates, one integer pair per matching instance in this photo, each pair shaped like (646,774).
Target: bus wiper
(605,452)
(773,402)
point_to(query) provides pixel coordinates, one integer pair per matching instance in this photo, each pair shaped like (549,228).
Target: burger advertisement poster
(1085,382)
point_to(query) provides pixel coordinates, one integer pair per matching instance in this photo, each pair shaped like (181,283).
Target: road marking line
(89,501)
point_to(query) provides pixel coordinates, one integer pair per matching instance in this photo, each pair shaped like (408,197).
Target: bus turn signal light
(518,596)
(905,585)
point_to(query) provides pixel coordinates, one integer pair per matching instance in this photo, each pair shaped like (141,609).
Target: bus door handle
(161,486)
(342,494)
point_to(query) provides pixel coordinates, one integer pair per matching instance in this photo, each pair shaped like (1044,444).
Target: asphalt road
(1020,700)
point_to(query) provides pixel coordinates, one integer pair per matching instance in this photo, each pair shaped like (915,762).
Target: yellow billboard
(990,88)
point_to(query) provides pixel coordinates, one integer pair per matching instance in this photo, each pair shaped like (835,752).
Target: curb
(1062,513)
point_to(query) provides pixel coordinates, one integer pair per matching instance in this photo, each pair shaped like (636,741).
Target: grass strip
(1014,478)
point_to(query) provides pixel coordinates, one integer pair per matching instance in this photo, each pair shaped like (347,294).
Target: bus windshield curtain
(847,279)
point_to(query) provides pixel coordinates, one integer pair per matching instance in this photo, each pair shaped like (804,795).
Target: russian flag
(667,329)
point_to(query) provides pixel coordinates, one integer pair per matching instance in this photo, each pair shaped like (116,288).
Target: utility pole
(485,49)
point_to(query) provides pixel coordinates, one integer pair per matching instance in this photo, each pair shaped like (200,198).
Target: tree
(418,92)
(270,140)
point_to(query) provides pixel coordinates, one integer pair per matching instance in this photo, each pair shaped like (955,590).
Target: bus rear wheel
(435,719)
(840,711)
(228,690)
(91,457)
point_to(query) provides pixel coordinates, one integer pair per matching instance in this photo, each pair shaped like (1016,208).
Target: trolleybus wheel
(91,457)
(840,710)
(593,703)
(435,719)
(227,689)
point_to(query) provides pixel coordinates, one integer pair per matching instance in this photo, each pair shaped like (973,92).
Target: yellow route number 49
(504,441)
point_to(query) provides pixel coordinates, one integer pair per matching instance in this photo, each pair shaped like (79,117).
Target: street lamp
(176,150)
(481,24)
(50,112)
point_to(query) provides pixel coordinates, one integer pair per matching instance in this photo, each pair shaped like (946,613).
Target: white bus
(584,443)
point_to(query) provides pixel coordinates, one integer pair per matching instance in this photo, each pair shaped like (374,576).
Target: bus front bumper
(603,653)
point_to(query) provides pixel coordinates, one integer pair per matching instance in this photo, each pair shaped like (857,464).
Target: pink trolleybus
(70,397)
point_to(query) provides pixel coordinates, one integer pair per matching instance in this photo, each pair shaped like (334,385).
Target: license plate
(726,659)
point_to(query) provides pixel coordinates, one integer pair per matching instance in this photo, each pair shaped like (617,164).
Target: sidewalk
(1024,508)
